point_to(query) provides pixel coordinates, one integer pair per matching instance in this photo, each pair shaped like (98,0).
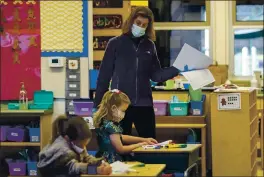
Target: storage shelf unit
(19,144)
(44,116)
(234,137)
(25,116)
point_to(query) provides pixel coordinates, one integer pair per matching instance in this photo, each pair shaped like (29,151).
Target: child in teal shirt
(112,143)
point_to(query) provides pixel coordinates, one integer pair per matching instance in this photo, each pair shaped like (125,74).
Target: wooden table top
(190,148)
(147,170)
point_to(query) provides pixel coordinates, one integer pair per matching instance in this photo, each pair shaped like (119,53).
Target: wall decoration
(107,3)
(62,26)
(20,47)
(107,21)
(100,42)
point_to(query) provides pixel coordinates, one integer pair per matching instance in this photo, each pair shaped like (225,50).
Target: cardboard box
(220,73)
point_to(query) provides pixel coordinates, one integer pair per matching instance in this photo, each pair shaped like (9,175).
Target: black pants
(143,119)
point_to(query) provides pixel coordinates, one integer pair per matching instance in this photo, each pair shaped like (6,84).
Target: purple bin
(160,107)
(3,133)
(16,134)
(17,168)
(83,108)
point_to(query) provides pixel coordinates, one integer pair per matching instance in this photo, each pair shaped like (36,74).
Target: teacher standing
(131,60)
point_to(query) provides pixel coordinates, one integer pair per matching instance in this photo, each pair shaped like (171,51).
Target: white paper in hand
(199,78)
(192,58)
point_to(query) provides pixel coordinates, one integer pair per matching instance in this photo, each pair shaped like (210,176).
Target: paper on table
(199,78)
(159,144)
(191,58)
(120,167)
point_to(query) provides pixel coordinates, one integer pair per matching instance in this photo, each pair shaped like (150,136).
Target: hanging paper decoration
(20,47)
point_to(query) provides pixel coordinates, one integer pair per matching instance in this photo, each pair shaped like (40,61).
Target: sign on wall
(107,3)
(229,101)
(100,42)
(107,21)
(20,47)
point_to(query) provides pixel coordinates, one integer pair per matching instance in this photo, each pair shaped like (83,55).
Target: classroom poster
(20,47)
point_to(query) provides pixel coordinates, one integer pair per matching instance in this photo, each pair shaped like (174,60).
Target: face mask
(118,115)
(77,149)
(137,31)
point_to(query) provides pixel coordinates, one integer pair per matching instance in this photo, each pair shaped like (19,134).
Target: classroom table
(147,170)
(175,122)
(188,157)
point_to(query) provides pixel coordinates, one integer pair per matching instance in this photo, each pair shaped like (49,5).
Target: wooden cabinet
(234,137)
(20,117)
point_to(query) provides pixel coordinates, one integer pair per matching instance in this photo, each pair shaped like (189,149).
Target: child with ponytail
(66,154)
(112,143)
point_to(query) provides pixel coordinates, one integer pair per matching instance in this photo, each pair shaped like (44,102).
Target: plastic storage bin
(160,107)
(93,75)
(42,100)
(17,168)
(83,108)
(197,107)
(179,108)
(3,133)
(13,106)
(32,169)
(34,134)
(16,134)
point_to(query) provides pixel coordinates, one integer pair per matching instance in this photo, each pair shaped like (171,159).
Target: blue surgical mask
(137,31)
(118,115)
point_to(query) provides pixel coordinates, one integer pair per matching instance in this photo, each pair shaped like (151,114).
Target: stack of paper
(159,144)
(120,167)
(193,65)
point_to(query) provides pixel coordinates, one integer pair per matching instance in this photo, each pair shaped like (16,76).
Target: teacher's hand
(150,141)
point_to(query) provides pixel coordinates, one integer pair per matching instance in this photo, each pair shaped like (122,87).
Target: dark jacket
(131,67)
(60,160)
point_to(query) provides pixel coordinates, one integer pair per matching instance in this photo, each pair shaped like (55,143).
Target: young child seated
(66,155)
(112,143)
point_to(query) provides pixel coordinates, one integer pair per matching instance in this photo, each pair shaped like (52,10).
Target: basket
(179,108)
(160,107)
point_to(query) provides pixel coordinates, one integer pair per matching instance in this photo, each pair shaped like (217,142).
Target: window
(248,51)
(177,23)
(248,37)
(170,42)
(249,11)
(178,11)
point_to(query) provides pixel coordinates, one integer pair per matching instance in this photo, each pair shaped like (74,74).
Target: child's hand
(104,169)
(142,144)
(150,141)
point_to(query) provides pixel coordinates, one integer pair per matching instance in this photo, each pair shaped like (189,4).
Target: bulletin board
(65,30)
(20,47)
